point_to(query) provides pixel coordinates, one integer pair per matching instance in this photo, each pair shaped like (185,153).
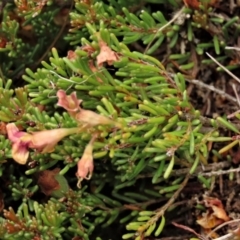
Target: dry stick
(225,69)
(200,171)
(171,238)
(207,123)
(236,93)
(225,237)
(210,87)
(228,236)
(164,26)
(232,48)
(232,115)
(160,211)
(213,89)
(220,172)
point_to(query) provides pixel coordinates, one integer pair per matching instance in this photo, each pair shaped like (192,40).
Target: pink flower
(85,165)
(43,141)
(106,55)
(69,102)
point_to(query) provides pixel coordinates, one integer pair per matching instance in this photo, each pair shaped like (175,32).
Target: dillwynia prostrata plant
(119,118)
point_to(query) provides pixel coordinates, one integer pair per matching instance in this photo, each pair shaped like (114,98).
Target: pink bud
(85,165)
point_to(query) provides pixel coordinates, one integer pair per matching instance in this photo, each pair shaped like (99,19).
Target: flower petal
(20,152)
(13,132)
(106,55)
(68,102)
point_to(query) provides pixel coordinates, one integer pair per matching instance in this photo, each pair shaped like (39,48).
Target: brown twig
(160,212)
(210,168)
(225,237)
(183,237)
(225,69)
(200,83)
(221,172)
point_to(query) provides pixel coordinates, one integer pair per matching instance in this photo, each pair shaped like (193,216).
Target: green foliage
(159,130)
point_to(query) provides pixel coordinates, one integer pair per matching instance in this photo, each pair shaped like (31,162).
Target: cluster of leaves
(161,131)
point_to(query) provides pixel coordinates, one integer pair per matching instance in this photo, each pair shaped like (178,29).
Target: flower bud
(85,165)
